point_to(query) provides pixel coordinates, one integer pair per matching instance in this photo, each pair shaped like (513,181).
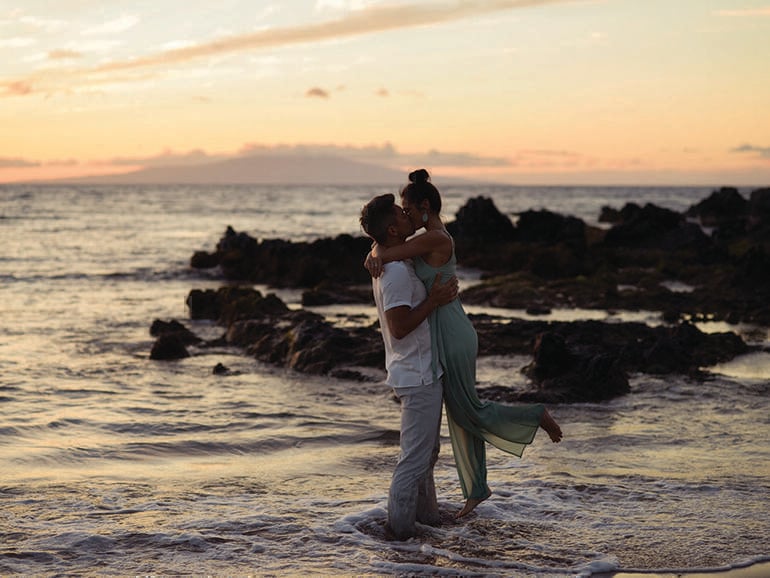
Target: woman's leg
(551,427)
(471,462)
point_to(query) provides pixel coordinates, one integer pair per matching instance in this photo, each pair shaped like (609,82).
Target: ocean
(115,464)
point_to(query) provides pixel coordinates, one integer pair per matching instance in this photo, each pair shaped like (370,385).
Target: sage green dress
(471,421)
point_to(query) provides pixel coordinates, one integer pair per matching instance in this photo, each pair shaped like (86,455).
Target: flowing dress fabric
(471,421)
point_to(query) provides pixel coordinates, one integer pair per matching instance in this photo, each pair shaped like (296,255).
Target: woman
(455,345)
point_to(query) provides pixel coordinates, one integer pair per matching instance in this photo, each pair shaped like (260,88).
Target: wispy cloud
(18,163)
(17,88)
(327,5)
(385,154)
(548,158)
(121,24)
(166,158)
(17,42)
(63,54)
(367,20)
(44,24)
(763,152)
(6,162)
(385,151)
(744,12)
(436,158)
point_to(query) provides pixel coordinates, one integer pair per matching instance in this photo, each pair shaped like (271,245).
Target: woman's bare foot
(470,505)
(551,427)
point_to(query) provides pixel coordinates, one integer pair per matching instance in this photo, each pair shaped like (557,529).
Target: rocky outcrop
(280,263)
(172,339)
(652,227)
(638,348)
(567,374)
(550,244)
(479,223)
(266,328)
(229,304)
(589,361)
(723,207)
(650,259)
(735,218)
(578,361)
(328,293)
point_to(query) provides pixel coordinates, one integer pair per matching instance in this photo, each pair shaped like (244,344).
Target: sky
(639,92)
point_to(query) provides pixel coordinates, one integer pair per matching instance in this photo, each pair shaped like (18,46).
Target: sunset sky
(512,91)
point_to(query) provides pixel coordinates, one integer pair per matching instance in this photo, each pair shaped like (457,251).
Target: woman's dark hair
(377,215)
(420,188)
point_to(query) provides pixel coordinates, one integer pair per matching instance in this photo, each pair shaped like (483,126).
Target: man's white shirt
(407,360)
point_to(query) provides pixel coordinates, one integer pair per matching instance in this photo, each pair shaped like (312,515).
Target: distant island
(310,169)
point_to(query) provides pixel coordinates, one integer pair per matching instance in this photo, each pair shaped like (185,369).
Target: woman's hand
(373,264)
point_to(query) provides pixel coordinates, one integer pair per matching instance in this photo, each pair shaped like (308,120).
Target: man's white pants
(412,490)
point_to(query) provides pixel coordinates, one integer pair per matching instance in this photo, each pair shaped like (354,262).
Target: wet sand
(759,570)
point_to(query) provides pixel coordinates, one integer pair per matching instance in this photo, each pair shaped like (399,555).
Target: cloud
(382,92)
(339,5)
(6,162)
(744,12)
(166,158)
(316,92)
(16,163)
(18,88)
(551,159)
(435,158)
(385,154)
(121,24)
(763,152)
(369,19)
(63,163)
(63,54)
(46,25)
(321,5)
(17,42)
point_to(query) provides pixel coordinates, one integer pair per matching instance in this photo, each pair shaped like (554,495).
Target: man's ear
(392,230)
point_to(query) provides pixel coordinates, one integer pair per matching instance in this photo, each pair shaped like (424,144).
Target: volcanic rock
(281,263)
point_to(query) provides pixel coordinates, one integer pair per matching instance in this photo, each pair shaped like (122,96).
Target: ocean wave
(242,441)
(117,465)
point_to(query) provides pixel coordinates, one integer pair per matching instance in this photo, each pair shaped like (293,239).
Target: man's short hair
(377,215)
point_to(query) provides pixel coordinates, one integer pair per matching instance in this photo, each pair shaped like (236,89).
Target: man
(403,306)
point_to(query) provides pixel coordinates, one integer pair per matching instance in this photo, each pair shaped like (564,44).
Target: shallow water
(113,463)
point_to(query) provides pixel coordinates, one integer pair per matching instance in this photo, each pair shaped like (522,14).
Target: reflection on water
(752,366)
(115,464)
(678,286)
(750,333)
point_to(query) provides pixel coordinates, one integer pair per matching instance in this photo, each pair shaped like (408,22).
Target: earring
(425,217)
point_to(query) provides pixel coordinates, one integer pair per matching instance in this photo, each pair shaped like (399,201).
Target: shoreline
(758,569)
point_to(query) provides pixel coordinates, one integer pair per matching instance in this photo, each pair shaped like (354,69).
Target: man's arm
(403,320)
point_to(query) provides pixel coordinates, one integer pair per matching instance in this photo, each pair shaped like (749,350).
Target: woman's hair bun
(419,176)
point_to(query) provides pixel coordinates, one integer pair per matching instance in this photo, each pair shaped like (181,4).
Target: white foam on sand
(758,567)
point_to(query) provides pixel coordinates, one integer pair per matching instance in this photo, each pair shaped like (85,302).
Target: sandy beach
(760,570)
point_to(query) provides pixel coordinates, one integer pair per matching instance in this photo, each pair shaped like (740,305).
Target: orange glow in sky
(511,91)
